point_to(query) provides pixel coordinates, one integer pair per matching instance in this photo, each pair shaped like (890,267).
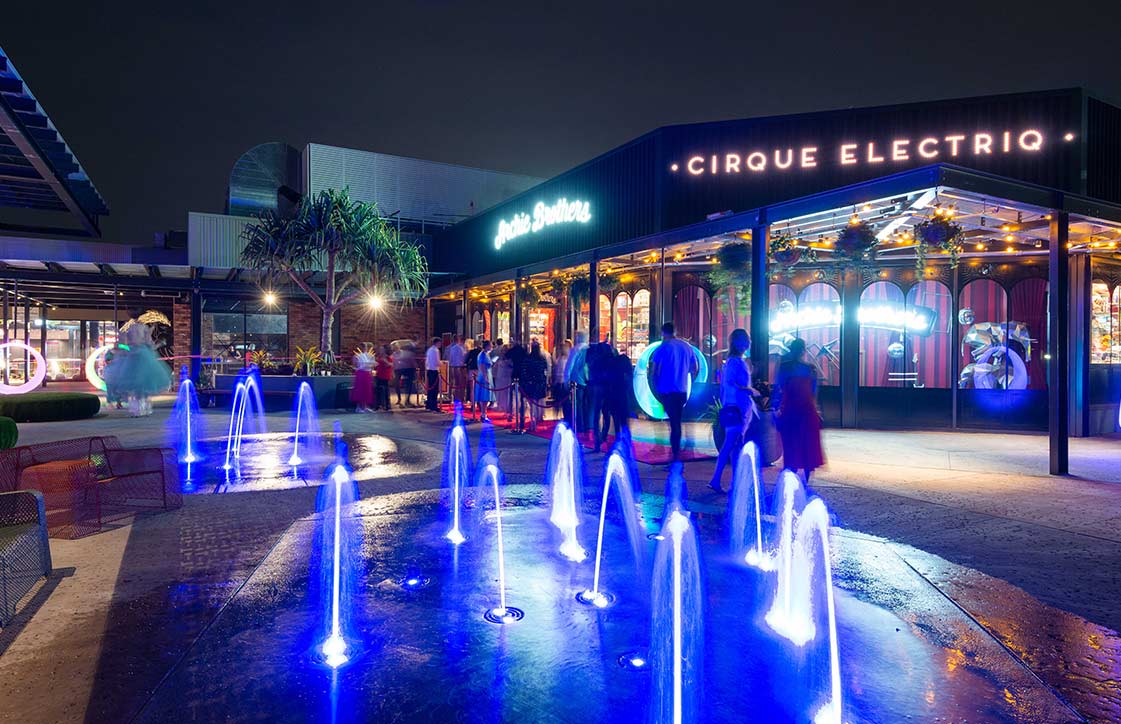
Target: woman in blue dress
(737,406)
(484,384)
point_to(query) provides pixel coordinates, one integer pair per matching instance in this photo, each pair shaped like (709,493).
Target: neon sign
(33,381)
(913,319)
(562,212)
(867,152)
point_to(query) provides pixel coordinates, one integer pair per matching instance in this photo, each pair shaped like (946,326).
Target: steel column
(760,301)
(593,301)
(850,346)
(1058,372)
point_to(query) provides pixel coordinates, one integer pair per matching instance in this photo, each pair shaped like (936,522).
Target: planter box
(279,391)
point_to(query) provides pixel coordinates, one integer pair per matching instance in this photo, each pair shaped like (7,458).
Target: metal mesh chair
(140,478)
(25,554)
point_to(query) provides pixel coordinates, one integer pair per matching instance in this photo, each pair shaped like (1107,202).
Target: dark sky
(159,100)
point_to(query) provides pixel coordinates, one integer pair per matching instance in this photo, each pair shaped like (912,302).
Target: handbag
(769,440)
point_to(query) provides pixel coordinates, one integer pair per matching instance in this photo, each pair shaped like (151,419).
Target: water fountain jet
(677,622)
(457,464)
(564,472)
(745,510)
(500,614)
(247,393)
(334,647)
(307,419)
(617,473)
(187,421)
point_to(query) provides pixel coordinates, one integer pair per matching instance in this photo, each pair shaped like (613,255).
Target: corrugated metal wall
(1103,163)
(214,240)
(417,190)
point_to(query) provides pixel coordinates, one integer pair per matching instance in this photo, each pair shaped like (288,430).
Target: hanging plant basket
(579,290)
(785,251)
(937,233)
(528,296)
(856,243)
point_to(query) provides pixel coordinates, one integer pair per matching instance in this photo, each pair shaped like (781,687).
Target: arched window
(604,316)
(1027,328)
(640,324)
(883,334)
(982,316)
(819,326)
(931,354)
(621,321)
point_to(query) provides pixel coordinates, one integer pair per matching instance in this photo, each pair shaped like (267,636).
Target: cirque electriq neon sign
(562,212)
(913,319)
(867,152)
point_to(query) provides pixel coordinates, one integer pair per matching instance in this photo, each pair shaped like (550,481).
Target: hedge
(49,406)
(9,433)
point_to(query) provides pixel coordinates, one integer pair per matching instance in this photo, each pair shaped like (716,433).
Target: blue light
(642,391)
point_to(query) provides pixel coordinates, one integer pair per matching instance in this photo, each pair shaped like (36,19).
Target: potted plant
(856,242)
(308,359)
(938,233)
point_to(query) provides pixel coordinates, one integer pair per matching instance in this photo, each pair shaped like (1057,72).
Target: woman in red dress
(362,394)
(798,421)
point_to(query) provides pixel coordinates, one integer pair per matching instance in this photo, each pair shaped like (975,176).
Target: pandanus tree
(360,254)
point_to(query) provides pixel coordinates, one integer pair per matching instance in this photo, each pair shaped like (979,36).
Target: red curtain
(1029,305)
(875,364)
(934,352)
(988,302)
(822,343)
(776,294)
(691,315)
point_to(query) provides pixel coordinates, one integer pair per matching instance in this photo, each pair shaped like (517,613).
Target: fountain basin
(907,653)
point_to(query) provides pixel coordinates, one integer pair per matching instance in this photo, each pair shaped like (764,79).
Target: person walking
(798,421)
(576,380)
(404,366)
(503,373)
(362,393)
(457,369)
(534,383)
(471,364)
(432,375)
(383,374)
(601,359)
(484,384)
(560,367)
(737,405)
(516,354)
(672,368)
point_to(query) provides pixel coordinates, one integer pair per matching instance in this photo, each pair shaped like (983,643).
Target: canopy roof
(38,171)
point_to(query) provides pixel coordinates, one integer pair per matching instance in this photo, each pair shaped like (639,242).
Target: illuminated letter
(899,150)
(872,157)
(789,158)
(539,216)
(756,161)
(1007,141)
(954,141)
(808,160)
(1031,140)
(982,143)
(732,163)
(714,167)
(925,144)
(695,165)
(847,155)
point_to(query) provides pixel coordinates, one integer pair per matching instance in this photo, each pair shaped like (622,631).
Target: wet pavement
(908,653)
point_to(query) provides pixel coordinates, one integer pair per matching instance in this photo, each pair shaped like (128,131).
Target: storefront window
(502,327)
(930,355)
(631,320)
(620,321)
(604,317)
(883,338)
(692,318)
(982,318)
(1105,324)
(541,322)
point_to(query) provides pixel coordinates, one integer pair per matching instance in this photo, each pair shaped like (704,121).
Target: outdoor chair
(25,554)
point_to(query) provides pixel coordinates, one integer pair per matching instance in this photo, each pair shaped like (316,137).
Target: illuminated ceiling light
(1038,243)
(270,298)
(1010,250)
(980,247)
(854,220)
(1005,227)
(1009,238)
(867,207)
(1068,137)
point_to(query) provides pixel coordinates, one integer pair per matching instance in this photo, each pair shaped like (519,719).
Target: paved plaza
(970,512)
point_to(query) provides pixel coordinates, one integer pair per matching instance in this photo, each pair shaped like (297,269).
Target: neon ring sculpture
(645,395)
(91,365)
(40,369)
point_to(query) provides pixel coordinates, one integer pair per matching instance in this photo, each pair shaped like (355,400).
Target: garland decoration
(938,233)
(856,243)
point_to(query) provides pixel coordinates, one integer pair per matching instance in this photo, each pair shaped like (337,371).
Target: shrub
(49,406)
(9,433)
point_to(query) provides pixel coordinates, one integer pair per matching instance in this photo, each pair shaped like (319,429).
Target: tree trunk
(325,335)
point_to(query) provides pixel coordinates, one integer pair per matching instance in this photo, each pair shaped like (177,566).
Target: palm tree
(349,241)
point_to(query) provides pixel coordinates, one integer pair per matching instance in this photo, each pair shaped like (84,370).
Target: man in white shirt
(672,368)
(457,368)
(432,374)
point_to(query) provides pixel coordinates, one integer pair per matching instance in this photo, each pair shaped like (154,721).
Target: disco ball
(786,307)
(965,316)
(895,350)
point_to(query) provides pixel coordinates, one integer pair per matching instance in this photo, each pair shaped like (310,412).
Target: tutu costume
(136,373)
(362,394)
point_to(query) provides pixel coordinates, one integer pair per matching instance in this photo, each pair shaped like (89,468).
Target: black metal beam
(106,269)
(233,275)
(154,271)
(760,336)
(1058,373)
(14,130)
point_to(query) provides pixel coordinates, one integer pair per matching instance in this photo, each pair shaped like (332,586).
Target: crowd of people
(589,385)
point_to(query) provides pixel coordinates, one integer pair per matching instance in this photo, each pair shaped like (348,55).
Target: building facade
(948,264)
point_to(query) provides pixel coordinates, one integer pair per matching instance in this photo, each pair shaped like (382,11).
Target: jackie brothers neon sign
(901,150)
(562,212)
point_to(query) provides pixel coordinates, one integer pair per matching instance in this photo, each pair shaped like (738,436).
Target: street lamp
(270,298)
(376,302)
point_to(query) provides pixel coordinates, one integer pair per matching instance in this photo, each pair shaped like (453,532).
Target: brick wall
(304,320)
(392,323)
(181,329)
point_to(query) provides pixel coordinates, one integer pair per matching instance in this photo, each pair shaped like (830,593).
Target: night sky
(159,100)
